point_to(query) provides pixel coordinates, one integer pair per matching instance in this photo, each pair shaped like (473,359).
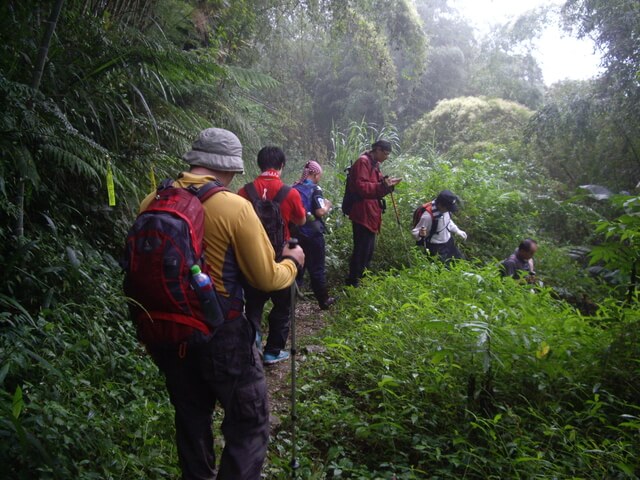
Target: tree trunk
(43,51)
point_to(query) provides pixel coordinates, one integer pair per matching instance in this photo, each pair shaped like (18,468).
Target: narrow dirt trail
(309,321)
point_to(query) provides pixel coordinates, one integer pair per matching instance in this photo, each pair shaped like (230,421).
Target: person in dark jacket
(370,186)
(520,263)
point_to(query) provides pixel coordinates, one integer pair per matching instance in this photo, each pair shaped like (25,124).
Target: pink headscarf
(311,168)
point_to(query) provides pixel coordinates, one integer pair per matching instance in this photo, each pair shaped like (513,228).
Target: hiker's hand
(392,181)
(423,232)
(295,253)
(462,234)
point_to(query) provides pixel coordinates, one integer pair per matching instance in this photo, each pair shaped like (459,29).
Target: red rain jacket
(367,181)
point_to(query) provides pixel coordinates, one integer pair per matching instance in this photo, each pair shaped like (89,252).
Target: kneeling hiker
(311,234)
(277,205)
(520,263)
(434,226)
(204,366)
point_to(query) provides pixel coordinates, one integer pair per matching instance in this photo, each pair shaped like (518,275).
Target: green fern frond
(251,79)
(147,109)
(23,162)
(70,162)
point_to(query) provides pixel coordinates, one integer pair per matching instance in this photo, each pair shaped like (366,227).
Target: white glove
(463,234)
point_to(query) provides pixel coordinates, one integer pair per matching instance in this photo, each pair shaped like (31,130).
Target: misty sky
(559,55)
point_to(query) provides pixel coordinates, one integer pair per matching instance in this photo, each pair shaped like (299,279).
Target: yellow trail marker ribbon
(111,190)
(152,179)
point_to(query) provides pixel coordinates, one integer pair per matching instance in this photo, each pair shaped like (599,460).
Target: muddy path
(310,320)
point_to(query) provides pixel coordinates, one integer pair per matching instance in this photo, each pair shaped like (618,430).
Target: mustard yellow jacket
(237,246)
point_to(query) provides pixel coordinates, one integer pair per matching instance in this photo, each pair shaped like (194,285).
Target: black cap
(447,199)
(382,145)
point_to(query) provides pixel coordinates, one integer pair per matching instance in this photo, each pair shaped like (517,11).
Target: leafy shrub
(78,396)
(619,250)
(467,125)
(447,373)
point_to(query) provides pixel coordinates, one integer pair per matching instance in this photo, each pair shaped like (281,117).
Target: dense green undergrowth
(503,201)
(79,398)
(456,373)
(428,373)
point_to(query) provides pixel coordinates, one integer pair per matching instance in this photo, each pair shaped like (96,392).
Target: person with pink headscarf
(311,234)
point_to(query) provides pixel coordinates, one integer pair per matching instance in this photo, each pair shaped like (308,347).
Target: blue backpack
(306,194)
(313,225)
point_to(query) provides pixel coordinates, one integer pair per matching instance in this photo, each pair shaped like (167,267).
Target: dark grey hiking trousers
(225,370)
(278,318)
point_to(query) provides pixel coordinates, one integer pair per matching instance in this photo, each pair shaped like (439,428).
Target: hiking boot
(327,303)
(271,358)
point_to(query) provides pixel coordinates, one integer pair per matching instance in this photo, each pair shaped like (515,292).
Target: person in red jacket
(370,186)
(271,161)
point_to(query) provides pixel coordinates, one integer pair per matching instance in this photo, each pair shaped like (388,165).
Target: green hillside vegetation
(462,126)
(423,372)
(456,373)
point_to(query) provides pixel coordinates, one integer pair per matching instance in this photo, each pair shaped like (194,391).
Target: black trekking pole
(292,320)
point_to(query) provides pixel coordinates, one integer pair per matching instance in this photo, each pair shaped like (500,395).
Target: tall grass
(503,202)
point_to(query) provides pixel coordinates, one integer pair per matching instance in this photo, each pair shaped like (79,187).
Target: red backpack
(165,241)
(418,212)
(417,215)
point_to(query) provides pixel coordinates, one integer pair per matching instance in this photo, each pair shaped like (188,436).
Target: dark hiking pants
(364,242)
(445,251)
(314,263)
(225,370)
(278,317)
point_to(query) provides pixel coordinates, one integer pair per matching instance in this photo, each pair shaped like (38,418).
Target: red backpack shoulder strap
(250,188)
(429,208)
